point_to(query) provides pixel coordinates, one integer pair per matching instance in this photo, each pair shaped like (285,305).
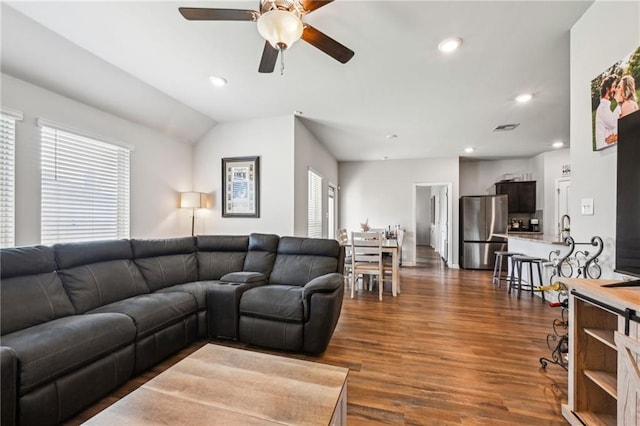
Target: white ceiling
(397,82)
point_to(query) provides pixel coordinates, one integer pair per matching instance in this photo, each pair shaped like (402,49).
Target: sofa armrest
(244,277)
(327,283)
(9,382)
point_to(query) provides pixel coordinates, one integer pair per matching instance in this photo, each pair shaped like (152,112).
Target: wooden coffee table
(227,386)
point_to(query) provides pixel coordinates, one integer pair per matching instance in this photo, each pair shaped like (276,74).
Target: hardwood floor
(452,349)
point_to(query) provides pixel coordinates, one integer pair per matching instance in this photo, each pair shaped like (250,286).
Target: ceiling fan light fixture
(449,45)
(523,98)
(280,28)
(218,81)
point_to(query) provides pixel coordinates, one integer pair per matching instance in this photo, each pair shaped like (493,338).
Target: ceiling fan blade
(311,5)
(328,45)
(269,57)
(201,14)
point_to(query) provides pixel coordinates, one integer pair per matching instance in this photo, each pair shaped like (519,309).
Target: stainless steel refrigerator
(482,217)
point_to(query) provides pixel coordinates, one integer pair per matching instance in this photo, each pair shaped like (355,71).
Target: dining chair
(366,258)
(343,239)
(382,231)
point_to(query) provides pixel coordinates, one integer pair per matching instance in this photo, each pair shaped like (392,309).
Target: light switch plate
(586,206)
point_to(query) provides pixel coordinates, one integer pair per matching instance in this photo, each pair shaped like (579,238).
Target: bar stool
(497,267)
(516,272)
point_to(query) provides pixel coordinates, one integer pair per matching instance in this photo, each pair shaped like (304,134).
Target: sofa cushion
(162,247)
(276,302)
(166,262)
(165,271)
(30,260)
(197,289)
(153,312)
(69,255)
(50,350)
(98,284)
(28,275)
(261,254)
(220,254)
(299,260)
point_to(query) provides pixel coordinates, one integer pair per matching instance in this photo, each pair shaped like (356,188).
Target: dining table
(390,245)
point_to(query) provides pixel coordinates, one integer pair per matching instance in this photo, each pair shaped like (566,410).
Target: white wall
(272,139)
(160,166)
(553,162)
(479,177)
(383,192)
(597,43)
(310,153)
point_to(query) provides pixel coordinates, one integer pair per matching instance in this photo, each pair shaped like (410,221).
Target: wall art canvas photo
(614,94)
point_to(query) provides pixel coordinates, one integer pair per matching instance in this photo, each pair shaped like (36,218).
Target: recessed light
(524,97)
(469,150)
(296,112)
(558,144)
(450,44)
(217,81)
(391,136)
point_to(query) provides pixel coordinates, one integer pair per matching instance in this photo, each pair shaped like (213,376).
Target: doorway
(562,201)
(432,219)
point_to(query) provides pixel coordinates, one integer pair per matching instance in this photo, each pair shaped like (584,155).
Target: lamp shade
(193,200)
(280,28)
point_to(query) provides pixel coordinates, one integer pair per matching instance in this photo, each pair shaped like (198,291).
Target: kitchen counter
(544,246)
(538,237)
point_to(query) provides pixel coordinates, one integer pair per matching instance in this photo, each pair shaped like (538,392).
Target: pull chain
(282,62)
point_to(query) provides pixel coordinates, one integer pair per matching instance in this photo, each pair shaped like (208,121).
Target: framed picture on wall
(241,187)
(614,94)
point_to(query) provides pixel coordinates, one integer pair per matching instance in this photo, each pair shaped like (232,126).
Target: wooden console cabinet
(604,352)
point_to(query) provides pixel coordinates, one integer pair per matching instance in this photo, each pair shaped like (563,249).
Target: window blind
(85,188)
(314,212)
(7,180)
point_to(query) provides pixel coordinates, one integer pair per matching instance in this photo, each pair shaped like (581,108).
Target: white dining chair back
(343,239)
(381,231)
(366,255)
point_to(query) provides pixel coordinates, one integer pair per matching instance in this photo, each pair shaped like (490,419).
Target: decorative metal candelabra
(558,341)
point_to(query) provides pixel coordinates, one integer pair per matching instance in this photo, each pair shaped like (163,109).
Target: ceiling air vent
(506,127)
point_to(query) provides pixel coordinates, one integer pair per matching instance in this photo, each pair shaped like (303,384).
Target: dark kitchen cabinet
(522,195)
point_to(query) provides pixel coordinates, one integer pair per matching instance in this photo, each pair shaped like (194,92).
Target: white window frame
(332,210)
(314,204)
(8,118)
(85,186)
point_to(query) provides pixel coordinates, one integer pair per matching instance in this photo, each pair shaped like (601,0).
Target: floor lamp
(193,201)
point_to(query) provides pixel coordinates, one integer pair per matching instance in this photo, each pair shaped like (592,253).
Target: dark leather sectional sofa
(80,319)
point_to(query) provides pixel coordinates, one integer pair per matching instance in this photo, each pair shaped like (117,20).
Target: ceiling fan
(280,24)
